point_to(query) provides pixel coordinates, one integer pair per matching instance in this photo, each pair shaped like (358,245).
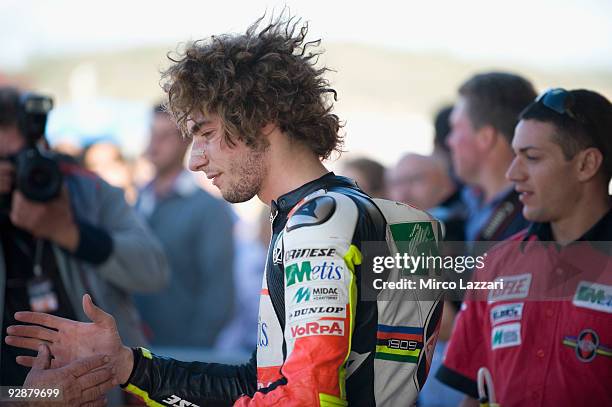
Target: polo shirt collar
(599,232)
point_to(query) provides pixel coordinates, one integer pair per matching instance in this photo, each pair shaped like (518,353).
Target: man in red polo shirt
(546,337)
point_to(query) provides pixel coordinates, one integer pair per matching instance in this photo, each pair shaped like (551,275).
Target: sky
(549,34)
(553,34)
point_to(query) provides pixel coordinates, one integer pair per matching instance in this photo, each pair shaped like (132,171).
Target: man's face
(238,171)
(546,181)
(413,181)
(11,141)
(462,143)
(166,147)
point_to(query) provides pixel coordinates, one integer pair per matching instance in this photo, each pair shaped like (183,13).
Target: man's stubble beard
(467,172)
(248,175)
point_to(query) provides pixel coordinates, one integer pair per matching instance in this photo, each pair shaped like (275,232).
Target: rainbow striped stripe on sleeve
(399,343)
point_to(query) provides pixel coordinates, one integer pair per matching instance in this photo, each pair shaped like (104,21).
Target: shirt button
(540,353)
(559,270)
(549,312)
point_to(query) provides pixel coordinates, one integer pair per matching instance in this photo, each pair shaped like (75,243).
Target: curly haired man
(257,109)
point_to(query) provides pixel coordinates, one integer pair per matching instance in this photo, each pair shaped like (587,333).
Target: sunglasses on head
(560,101)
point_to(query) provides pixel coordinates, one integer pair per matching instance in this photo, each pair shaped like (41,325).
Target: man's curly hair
(264,76)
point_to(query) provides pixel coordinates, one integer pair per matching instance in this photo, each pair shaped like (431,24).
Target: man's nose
(197,159)
(514,173)
(450,140)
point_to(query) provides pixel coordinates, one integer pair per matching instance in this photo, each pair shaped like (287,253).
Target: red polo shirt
(546,337)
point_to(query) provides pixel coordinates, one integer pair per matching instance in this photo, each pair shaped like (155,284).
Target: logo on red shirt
(513,287)
(587,345)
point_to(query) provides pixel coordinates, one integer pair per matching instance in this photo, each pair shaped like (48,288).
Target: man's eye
(531,158)
(208,135)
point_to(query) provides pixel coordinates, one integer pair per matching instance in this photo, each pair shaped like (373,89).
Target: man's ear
(267,129)
(486,137)
(588,163)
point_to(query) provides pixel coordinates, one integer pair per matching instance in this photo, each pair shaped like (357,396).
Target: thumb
(96,314)
(43,359)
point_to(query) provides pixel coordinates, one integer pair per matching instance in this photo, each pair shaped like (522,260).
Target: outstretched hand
(83,382)
(71,340)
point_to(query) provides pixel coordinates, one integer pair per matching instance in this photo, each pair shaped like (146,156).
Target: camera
(37,174)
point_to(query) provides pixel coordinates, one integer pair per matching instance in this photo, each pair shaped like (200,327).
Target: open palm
(68,340)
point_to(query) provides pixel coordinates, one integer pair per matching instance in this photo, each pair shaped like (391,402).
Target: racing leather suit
(319,343)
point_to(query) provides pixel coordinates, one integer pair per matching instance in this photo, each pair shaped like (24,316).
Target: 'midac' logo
(300,272)
(306,294)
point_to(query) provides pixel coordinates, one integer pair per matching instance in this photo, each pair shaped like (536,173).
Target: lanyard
(38,253)
(37,269)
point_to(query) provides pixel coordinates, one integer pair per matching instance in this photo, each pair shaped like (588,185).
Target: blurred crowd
(179,269)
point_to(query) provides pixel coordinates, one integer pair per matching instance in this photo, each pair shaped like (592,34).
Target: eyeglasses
(559,100)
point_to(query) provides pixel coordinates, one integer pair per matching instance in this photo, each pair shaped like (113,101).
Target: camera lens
(38,176)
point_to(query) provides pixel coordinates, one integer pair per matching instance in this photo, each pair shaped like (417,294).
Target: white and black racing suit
(320,342)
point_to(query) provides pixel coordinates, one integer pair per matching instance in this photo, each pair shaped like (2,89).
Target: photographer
(64,232)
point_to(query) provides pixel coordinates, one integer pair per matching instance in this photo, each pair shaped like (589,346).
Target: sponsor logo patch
(295,254)
(312,213)
(354,361)
(323,293)
(277,256)
(324,311)
(178,402)
(399,343)
(504,336)
(315,328)
(304,271)
(587,345)
(513,287)
(262,334)
(594,296)
(277,253)
(506,312)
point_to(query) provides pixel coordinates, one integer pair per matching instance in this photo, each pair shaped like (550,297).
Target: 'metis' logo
(178,402)
(298,273)
(304,294)
(335,328)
